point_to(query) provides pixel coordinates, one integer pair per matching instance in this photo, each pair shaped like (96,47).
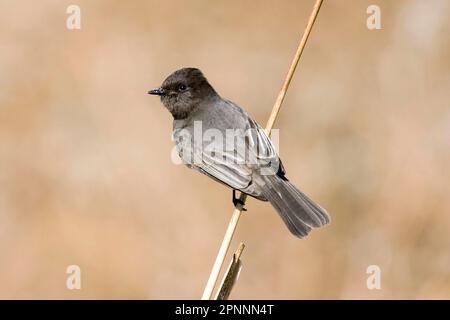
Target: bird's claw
(238,203)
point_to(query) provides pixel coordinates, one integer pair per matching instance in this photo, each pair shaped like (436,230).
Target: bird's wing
(235,159)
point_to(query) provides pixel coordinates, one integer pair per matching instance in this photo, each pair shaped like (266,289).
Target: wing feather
(233,161)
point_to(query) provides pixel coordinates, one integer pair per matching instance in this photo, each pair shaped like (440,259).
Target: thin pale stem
(294,63)
(208,292)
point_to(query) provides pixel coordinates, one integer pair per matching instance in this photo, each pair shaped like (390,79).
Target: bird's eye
(182,87)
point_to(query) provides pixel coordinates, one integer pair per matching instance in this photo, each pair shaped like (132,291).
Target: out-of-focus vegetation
(85,170)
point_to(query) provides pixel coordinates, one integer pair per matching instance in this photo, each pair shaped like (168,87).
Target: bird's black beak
(157,92)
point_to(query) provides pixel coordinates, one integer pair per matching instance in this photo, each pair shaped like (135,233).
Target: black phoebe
(219,139)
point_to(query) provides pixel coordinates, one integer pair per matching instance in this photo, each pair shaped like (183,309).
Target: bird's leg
(238,203)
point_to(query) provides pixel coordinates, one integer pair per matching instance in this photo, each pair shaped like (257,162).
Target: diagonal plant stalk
(231,275)
(208,292)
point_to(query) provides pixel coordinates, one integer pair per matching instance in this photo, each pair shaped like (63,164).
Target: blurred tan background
(86,176)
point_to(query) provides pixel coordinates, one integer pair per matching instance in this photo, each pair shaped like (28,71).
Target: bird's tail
(299,213)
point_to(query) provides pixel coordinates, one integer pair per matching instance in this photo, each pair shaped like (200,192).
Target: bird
(247,161)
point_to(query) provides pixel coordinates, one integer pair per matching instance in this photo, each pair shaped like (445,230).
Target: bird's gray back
(216,117)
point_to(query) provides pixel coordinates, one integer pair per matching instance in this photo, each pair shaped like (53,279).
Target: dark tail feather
(299,213)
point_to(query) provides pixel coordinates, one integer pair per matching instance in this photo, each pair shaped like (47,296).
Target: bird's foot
(238,203)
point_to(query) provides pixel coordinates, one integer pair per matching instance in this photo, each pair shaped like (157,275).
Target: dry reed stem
(207,294)
(231,275)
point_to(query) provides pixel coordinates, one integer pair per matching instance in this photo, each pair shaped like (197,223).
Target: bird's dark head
(183,91)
